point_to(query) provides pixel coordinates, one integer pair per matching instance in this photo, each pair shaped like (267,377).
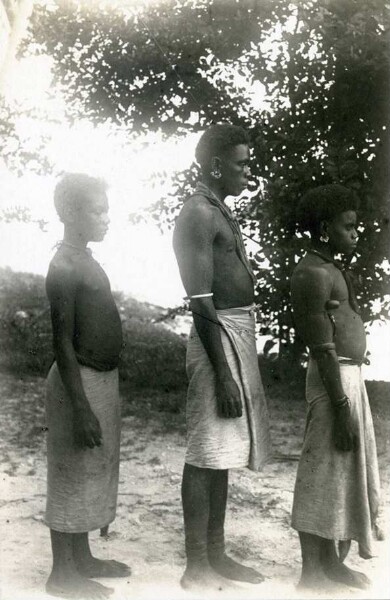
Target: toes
(120,567)
(99,591)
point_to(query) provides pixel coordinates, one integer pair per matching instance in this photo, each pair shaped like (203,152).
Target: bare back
(314,283)
(206,252)
(80,297)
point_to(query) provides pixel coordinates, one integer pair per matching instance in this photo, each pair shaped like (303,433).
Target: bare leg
(89,566)
(196,500)
(313,576)
(337,571)
(65,580)
(104,531)
(223,564)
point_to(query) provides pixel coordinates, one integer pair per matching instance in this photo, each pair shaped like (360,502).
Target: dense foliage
(179,65)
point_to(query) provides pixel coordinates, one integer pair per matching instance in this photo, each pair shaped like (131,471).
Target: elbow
(323,352)
(63,351)
(202,305)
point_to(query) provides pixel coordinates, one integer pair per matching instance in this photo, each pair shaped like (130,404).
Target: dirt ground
(148,530)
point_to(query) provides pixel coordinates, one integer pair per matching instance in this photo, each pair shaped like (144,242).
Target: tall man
(227,418)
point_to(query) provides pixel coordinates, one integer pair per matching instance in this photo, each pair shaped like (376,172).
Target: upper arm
(61,287)
(310,291)
(193,240)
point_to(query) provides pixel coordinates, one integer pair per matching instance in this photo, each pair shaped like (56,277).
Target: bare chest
(94,287)
(339,290)
(224,240)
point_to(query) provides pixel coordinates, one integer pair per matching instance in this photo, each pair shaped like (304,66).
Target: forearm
(329,370)
(209,331)
(70,374)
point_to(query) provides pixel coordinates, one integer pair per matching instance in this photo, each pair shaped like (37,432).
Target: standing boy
(227,421)
(82,404)
(337,487)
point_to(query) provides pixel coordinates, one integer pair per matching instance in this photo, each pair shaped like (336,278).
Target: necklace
(86,251)
(347,277)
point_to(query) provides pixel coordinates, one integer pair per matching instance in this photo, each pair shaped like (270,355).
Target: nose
(355,234)
(247,170)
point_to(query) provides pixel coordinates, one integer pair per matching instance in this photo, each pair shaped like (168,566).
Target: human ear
(70,214)
(216,167)
(324,235)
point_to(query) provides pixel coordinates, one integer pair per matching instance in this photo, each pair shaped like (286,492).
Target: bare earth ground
(148,531)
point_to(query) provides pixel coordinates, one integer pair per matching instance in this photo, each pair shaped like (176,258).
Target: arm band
(341,402)
(208,295)
(322,348)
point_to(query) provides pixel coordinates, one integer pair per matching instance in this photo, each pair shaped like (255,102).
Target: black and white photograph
(195,299)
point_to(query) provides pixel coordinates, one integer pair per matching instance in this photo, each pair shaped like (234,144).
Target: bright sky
(138,259)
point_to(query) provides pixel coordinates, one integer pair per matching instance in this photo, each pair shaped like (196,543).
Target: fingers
(344,443)
(231,410)
(95,439)
(239,408)
(88,439)
(348,443)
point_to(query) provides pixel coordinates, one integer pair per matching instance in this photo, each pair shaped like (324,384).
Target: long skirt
(214,442)
(337,493)
(82,484)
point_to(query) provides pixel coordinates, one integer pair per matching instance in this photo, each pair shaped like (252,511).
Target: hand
(228,398)
(86,429)
(344,434)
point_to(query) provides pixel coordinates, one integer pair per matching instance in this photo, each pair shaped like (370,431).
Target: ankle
(215,544)
(196,552)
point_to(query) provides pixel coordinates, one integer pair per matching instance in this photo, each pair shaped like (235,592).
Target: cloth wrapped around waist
(337,494)
(82,484)
(222,443)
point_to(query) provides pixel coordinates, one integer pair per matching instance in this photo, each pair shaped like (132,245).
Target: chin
(99,238)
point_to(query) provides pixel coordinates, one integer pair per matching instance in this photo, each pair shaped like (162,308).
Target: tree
(172,66)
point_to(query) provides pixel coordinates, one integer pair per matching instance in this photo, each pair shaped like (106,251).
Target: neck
(323,247)
(74,238)
(215,186)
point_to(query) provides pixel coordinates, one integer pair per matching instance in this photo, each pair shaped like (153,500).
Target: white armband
(208,295)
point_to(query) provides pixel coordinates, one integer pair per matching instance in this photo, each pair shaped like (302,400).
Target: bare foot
(316,583)
(229,568)
(202,578)
(75,586)
(94,567)
(341,573)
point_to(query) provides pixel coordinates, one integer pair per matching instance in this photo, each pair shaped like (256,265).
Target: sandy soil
(148,531)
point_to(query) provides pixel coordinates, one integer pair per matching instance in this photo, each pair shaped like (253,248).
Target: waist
(239,311)
(345,360)
(97,360)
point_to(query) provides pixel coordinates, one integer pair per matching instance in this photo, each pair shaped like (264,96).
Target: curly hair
(74,189)
(217,140)
(324,203)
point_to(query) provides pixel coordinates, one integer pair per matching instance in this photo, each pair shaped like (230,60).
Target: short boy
(337,487)
(82,403)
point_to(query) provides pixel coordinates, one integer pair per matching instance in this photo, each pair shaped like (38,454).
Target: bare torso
(232,284)
(349,337)
(97,331)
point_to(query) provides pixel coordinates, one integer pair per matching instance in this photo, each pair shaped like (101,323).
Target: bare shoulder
(197,217)
(311,286)
(310,273)
(63,273)
(197,208)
